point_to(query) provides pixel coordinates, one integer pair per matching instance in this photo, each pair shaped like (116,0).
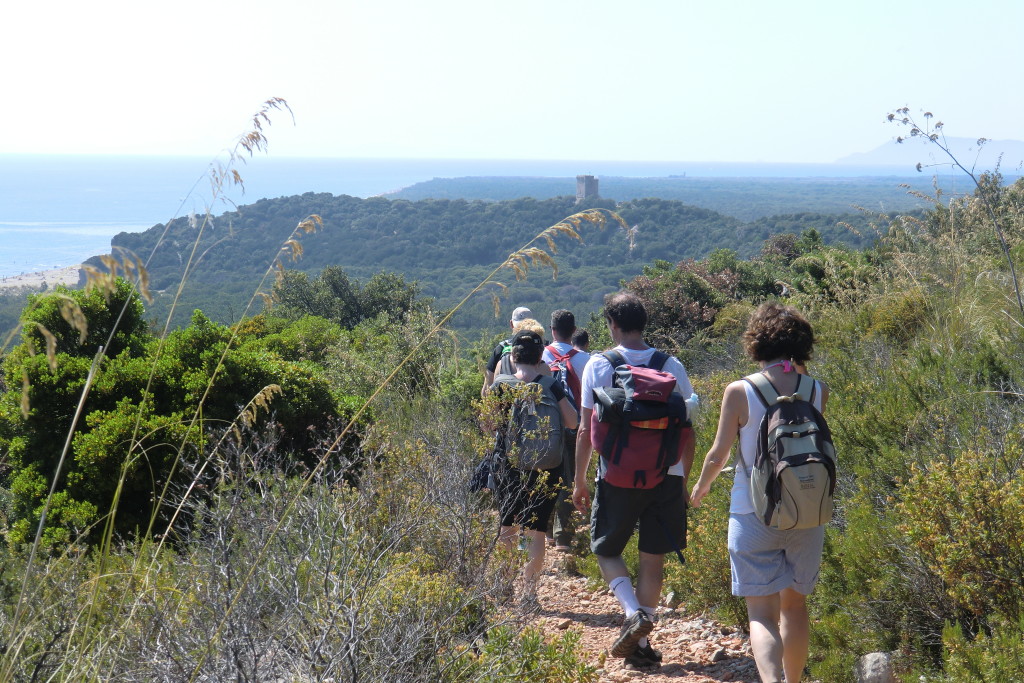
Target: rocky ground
(695,649)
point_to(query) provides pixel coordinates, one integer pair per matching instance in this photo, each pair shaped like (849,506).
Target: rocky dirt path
(696,650)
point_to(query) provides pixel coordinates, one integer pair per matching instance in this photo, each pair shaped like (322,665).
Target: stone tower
(586,188)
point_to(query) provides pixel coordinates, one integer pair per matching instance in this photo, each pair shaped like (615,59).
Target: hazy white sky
(780,81)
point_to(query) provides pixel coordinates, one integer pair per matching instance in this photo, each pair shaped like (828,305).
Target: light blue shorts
(766,560)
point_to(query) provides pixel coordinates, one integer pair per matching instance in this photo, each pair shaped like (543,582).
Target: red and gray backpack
(639,425)
(793,478)
(564,373)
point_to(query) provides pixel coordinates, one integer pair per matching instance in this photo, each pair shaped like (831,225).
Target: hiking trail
(696,649)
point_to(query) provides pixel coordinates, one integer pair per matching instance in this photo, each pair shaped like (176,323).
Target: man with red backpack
(567,364)
(648,461)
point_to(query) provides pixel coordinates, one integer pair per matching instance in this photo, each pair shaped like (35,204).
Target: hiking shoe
(635,662)
(633,629)
(648,652)
(529,602)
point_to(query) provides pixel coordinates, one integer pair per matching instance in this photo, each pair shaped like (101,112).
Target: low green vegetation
(920,341)
(284,497)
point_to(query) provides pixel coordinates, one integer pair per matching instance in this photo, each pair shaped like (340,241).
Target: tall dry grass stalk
(519,262)
(935,134)
(222,175)
(84,640)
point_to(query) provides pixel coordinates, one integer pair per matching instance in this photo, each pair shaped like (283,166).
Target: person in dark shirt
(526,498)
(518,315)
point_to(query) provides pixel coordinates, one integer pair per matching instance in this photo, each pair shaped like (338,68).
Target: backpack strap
(764,388)
(546,382)
(806,387)
(806,392)
(658,360)
(559,357)
(614,357)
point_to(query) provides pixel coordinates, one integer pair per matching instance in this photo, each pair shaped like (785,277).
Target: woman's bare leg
(765,638)
(795,628)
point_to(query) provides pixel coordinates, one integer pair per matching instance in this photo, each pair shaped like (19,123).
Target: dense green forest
(285,496)
(447,246)
(746,199)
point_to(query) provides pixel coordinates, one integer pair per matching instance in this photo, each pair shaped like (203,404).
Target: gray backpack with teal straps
(533,435)
(793,479)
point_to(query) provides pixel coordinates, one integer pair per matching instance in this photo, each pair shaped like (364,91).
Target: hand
(580,496)
(698,493)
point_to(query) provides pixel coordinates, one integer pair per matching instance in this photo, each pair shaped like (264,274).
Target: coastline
(58,276)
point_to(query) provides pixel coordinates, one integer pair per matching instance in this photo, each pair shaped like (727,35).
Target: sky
(739,81)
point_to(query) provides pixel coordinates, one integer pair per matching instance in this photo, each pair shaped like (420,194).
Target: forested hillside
(744,198)
(447,246)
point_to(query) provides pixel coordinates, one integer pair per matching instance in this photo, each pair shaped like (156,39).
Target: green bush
(523,656)
(899,316)
(995,657)
(964,517)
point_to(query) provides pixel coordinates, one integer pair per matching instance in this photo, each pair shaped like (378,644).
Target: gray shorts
(766,560)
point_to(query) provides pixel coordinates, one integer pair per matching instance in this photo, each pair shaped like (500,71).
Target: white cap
(521,313)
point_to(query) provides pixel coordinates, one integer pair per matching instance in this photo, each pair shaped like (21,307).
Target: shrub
(963,517)
(524,657)
(995,657)
(899,316)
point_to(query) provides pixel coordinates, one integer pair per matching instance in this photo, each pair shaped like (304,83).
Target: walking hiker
(581,340)
(528,484)
(502,351)
(659,511)
(568,362)
(773,569)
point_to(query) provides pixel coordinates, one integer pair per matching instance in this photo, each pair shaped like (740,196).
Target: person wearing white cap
(518,315)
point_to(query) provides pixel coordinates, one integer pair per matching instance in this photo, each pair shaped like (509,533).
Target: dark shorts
(660,514)
(527,498)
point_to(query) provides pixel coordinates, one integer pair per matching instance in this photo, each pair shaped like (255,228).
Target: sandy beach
(60,276)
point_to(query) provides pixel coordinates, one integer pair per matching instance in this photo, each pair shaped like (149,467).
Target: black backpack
(793,479)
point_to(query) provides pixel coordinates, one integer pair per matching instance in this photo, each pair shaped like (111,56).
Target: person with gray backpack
(536,410)
(782,492)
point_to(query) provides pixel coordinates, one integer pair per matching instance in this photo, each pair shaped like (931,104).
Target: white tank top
(741,503)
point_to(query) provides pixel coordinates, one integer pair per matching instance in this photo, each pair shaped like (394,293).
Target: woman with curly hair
(774,570)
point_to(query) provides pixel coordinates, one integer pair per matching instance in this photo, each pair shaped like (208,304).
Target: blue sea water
(56,211)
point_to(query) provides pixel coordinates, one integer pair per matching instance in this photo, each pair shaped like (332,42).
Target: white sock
(622,587)
(651,611)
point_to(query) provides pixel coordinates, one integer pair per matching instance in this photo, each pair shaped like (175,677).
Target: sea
(58,210)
